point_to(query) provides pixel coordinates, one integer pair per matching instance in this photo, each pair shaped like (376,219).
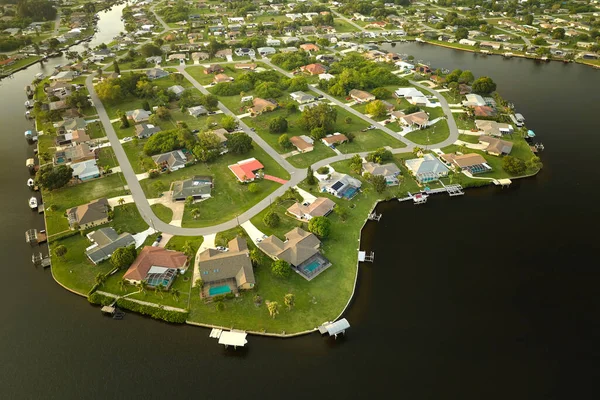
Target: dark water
(489,296)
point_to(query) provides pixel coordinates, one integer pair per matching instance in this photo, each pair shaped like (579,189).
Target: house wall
(93,223)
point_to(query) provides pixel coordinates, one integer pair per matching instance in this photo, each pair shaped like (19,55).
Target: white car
(128,138)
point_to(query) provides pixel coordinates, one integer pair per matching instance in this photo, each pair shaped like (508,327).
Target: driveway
(252,231)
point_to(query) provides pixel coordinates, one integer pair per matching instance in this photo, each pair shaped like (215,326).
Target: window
(205,272)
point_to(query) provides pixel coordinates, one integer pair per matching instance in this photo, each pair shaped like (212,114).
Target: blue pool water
(216,290)
(350,192)
(312,266)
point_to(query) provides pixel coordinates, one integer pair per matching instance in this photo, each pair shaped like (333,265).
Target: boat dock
(374,216)
(33,237)
(502,182)
(40,261)
(334,328)
(364,257)
(235,338)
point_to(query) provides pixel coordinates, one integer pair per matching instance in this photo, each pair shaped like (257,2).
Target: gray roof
(173,158)
(429,164)
(156,73)
(196,186)
(93,211)
(107,240)
(177,89)
(298,247)
(143,130)
(384,170)
(235,264)
(197,110)
(72,124)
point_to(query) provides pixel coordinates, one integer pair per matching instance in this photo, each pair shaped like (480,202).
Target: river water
(490,296)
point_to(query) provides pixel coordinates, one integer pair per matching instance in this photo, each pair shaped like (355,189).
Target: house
(154,60)
(483,111)
(376,25)
(472,162)
(467,42)
(302,143)
(85,170)
(306,106)
(70,125)
(271,43)
(214,69)
(427,168)
(496,147)
(197,187)
(336,138)
(176,89)
(57,105)
(290,49)
(313,69)
(308,30)
(300,250)
(490,45)
(290,39)
(326,76)
(88,215)
(419,118)
(361,96)
(80,152)
(408,92)
(104,243)
(301,97)
(220,78)
(143,131)
(320,207)
(389,171)
(267,51)
(404,66)
(225,53)
(246,66)
(245,170)
(260,106)
(221,134)
(473,100)
(64,76)
(245,52)
(78,136)
(197,111)
(341,185)
(156,266)
(178,56)
(226,272)
(199,56)
(138,115)
(309,47)
(172,160)
(493,128)
(156,73)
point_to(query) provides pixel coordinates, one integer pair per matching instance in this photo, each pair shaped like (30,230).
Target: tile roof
(154,257)
(299,246)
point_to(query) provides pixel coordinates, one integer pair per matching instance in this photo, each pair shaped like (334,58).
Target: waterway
(490,296)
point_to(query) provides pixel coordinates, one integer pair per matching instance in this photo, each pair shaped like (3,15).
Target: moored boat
(33,204)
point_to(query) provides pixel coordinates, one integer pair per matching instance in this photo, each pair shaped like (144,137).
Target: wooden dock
(374,216)
(364,257)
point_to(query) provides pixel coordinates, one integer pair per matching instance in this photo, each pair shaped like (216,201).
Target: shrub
(271,219)
(281,268)
(323,170)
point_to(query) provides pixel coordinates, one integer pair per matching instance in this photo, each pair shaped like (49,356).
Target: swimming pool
(312,266)
(216,290)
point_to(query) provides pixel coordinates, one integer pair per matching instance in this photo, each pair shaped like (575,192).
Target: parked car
(195,131)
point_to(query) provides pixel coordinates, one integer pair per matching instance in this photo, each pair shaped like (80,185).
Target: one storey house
(104,243)
(245,170)
(427,168)
(320,207)
(156,266)
(197,187)
(88,215)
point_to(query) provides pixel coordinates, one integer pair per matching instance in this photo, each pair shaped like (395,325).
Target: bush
(281,269)
(175,317)
(323,170)
(278,125)
(271,219)
(320,226)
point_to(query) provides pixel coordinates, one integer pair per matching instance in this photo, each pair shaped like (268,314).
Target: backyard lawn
(431,135)
(65,198)
(370,140)
(303,160)
(163,213)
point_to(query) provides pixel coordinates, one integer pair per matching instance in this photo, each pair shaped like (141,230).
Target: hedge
(175,317)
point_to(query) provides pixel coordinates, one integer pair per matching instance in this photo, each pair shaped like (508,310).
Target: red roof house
(244,170)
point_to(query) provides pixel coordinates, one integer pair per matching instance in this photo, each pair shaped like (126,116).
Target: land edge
(474,51)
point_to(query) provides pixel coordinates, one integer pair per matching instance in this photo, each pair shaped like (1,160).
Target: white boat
(29,104)
(39,75)
(33,204)
(30,182)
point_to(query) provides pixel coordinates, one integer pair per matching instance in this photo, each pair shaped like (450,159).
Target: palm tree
(196,213)
(159,290)
(122,284)
(143,285)
(175,294)
(289,300)
(273,308)
(187,249)
(121,201)
(100,279)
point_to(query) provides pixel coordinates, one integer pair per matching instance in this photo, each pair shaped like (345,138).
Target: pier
(364,257)
(233,338)
(334,328)
(33,237)
(374,216)
(40,261)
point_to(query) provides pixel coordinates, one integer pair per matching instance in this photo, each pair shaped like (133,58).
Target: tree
(123,257)
(321,116)
(143,286)
(116,68)
(219,305)
(121,201)
(150,50)
(558,33)
(348,120)
(380,155)
(271,219)
(273,308)
(356,164)
(60,251)
(318,133)
(278,125)
(51,178)
(78,99)
(534,163)
(341,212)
(284,141)
(253,188)
(453,76)
(484,85)
(289,300)
(310,176)
(100,279)
(381,93)
(196,213)
(255,257)
(175,293)
(108,90)
(513,165)
(229,122)
(267,90)
(124,121)
(411,109)
(379,183)
(122,284)
(239,143)
(466,77)
(528,19)
(320,226)
(461,33)
(281,269)
(163,112)
(376,109)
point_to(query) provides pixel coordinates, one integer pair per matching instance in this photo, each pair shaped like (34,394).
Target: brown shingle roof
(216,265)
(93,211)
(318,208)
(300,143)
(154,257)
(299,246)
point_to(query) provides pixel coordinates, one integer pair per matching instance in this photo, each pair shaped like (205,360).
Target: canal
(491,296)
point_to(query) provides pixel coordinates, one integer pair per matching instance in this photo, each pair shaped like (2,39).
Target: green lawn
(75,270)
(139,161)
(287,223)
(370,140)
(96,130)
(319,300)
(128,219)
(468,138)
(227,189)
(431,135)
(342,26)
(303,160)
(163,213)
(65,198)
(107,158)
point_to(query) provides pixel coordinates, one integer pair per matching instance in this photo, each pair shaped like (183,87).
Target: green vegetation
(370,140)
(163,212)
(431,135)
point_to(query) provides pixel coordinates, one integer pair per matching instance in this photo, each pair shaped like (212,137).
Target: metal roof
(337,327)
